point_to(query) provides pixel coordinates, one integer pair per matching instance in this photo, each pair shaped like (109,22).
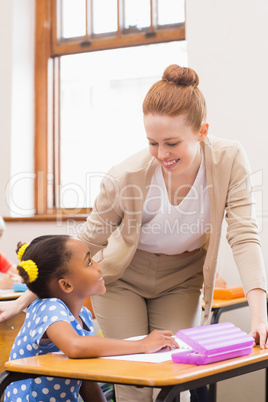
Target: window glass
(101,112)
(136,14)
(104,16)
(170,12)
(73,18)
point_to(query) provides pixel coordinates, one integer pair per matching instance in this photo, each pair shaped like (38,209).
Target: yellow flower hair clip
(22,250)
(31,268)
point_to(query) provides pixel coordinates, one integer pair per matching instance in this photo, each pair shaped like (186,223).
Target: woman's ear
(65,285)
(203,132)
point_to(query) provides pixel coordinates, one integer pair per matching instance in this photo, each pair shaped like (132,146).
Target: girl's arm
(257,300)
(75,346)
(9,309)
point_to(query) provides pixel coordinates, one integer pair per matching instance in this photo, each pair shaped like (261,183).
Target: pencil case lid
(212,343)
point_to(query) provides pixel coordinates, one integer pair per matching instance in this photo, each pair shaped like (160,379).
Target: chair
(87,304)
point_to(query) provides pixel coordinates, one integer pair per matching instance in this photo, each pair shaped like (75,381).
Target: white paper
(162,355)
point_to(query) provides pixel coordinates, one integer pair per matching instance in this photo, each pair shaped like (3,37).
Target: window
(94,66)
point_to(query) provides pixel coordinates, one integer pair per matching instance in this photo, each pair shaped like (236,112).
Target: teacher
(156,224)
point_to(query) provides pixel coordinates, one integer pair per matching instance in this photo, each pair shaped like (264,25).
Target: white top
(169,229)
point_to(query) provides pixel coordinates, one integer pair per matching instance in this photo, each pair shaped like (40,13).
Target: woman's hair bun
(181,76)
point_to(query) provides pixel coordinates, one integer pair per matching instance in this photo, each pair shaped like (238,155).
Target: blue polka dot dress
(40,315)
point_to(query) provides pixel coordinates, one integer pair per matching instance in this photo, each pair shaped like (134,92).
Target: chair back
(88,304)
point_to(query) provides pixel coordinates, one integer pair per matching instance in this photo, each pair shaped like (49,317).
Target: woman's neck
(179,185)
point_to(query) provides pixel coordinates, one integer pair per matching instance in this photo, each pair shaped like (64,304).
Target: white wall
(228,46)
(16,105)
(6,36)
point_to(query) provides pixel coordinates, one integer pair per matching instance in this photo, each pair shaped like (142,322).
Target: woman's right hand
(158,340)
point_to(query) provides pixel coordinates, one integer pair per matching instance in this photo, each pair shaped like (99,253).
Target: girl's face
(85,274)
(175,145)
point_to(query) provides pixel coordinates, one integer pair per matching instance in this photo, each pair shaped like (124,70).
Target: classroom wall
(228,47)
(5,97)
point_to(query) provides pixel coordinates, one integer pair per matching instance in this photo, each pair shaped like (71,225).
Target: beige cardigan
(112,230)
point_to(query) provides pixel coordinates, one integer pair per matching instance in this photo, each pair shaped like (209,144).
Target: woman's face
(175,145)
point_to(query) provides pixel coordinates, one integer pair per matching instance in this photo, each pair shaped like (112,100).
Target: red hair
(176,94)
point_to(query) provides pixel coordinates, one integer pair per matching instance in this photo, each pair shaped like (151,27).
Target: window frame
(48,50)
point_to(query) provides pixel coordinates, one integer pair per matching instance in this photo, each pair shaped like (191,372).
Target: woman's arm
(243,237)
(75,346)
(9,309)
(104,219)
(257,301)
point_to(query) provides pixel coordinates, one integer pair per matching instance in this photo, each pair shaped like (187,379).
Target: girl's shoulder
(47,301)
(48,305)
(86,317)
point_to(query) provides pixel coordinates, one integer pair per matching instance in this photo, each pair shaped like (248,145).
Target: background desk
(171,377)
(10,328)
(9,294)
(220,306)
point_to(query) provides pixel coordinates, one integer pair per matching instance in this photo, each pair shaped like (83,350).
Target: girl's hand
(260,334)
(157,340)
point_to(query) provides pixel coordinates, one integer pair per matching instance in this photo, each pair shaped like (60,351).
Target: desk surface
(219,303)
(133,373)
(9,294)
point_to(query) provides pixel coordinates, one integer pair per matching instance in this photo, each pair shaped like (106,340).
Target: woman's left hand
(257,300)
(260,334)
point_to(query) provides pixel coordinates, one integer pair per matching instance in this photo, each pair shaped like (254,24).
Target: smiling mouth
(170,163)
(101,278)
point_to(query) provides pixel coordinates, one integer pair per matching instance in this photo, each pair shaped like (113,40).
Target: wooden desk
(171,377)
(10,328)
(9,294)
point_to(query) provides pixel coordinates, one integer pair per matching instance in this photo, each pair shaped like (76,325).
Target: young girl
(60,271)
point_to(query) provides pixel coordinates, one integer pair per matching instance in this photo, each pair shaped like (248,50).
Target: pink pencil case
(212,343)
